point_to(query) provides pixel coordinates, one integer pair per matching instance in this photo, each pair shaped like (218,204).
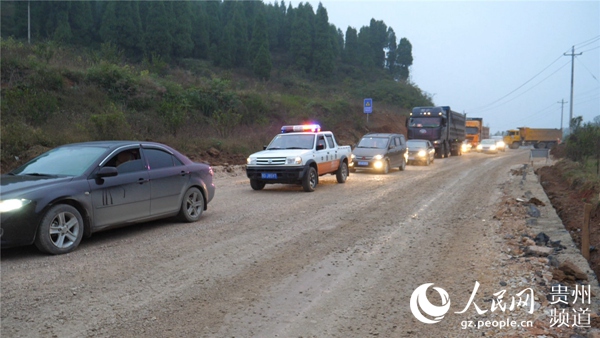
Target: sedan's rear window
(64,161)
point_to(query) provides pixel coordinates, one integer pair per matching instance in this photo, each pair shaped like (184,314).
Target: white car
(488,145)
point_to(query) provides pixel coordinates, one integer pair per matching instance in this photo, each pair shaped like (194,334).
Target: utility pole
(562,106)
(572,55)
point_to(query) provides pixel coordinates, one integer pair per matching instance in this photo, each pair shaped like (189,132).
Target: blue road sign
(368,106)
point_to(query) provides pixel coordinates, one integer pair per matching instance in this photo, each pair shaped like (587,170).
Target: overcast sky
(499,60)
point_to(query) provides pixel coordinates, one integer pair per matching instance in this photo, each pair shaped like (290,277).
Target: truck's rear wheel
(310,180)
(541,145)
(342,173)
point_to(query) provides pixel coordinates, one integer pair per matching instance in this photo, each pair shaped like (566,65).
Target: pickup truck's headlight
(251,160)
(294,160)
(14,204)
(421,153)
(377,157)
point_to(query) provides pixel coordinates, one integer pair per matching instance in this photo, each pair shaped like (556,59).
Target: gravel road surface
(342,261)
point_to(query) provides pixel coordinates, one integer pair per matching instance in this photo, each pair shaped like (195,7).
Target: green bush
(111,125)
(584,143)
(119,82)
(32,106)
(17,137)
(256,109)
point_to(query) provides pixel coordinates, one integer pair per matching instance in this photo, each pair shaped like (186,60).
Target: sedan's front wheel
(60,231)
(192,205)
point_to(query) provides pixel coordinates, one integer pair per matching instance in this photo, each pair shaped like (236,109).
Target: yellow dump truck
(539,138)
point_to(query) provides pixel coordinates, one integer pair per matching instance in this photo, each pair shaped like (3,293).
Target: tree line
(231,34)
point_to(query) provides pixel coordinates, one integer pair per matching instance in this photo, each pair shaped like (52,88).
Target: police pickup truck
(299,155)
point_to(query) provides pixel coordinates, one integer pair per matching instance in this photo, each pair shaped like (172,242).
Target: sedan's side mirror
(107,172)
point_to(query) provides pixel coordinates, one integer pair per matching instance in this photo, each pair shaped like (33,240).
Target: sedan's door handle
(143,180)
(183,173)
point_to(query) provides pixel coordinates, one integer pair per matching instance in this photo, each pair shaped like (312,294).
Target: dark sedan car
(75,190)
(420,151)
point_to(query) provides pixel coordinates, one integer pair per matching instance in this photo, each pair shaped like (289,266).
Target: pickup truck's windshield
(292,141)
(373,142)
(425,122)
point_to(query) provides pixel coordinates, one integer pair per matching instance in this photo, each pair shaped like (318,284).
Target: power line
(537,84)
(584,43)
(526,82)
(587,42)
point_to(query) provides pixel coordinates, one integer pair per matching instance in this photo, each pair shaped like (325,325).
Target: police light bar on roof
(310,128)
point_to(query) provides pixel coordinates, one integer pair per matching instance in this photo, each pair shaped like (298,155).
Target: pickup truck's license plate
(363,163)
(268,176)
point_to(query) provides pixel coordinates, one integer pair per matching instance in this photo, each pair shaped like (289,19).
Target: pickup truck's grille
(270,161)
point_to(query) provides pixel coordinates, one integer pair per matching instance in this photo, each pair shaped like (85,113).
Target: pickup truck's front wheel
(342,173)
(257,185)
(310,180)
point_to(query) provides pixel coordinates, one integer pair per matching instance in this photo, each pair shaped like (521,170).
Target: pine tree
(109,29)
(157,36)
(129,26)
(323,54)
(262,63)
(240,35)
(301,39)
(404,59)
(200,30)
(225,50)
(350,53)
(82,23)
(378,40)
(182,29)
(259,36)
(390,61)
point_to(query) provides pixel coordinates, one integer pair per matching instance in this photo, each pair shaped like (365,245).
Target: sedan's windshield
(292,141)
(488,141)
(65,161)
(416,144)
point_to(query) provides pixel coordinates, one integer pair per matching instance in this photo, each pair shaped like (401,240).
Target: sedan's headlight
(377,157)
(479,147)
(251,160)
(492,147)
(14,204)
(352,156)
(294,160)
(421,153)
